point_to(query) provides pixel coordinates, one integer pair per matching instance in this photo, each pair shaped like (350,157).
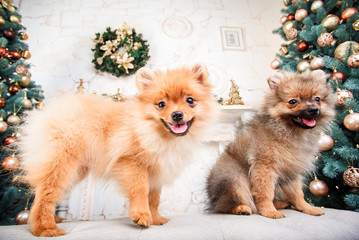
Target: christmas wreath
(120,52)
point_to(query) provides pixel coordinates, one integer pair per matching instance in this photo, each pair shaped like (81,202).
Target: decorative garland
(120,52)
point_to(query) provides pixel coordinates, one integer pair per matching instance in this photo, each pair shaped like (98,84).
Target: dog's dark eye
(190,101)
(161,105)
(317,99)
(293,102)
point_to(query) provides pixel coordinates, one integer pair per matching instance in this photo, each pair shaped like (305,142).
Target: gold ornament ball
(22,217)
(291,34)
(317,63)
(326,142)
(318,188)
(353,60)
(316,5)
(26,103)
(2,21)
(14,19)
(3,126)
(284,50)
(10,163)
(275,64)
(325,39)
(24,36)
(24,81)
(341,96)
(21,69)
(330,22)
(345,49)
(287,25)
(355,25)
(303,66)
(13,120)
(347,13)
(25,54)
(351,177)
(351,121)
(300,14)
(283,19)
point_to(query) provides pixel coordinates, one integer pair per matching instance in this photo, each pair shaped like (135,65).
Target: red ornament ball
(15,55)
(8,140)
(9,34)
(290,17)
(2,102)
(338,75)
(302,46)
(13,89)
(4,52)
(347,13)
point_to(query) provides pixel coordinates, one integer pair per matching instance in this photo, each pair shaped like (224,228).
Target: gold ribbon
(125,61)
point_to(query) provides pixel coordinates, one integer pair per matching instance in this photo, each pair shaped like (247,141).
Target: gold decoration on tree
(353,61)
(325,39)
(330,22)
(345,50)
(351,121)
(341,96)
(303,66)
(351,177)
(317,63)
(316,5)
(284,50)
(355,25)
(10,163)
(26,103)
(234,97)
(291,34)
(3,125)
(318,187)
(300,14)
(325,142)
(275,64)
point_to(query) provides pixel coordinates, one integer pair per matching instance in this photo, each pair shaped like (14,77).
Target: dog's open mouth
(304,122)
(178,129)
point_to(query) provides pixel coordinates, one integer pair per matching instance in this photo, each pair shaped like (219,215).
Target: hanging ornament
(345,50)
(10,163)
(287,25)
(302,46)
(290,17)
(355,25)
(291,34)
(341,96)
(24,36)
(14,19)
(353,60)
(347,13)
(318,188)
(3,126)
(2,102)
(275,64)
(13,119)
(338,75)
(283,19)
(2,21)
(286,3)
(303,66)
(351,121)
(284,50)
(25,54)
(8,140)
(13,89)
(330,22)
(325,39)
(22,217)
(351,177)
(24,81)
(9,34)
(300,14)
(326,142)
(317,63)
(15,55)
(21,69)
(316,5)
(26,103)
(4,52)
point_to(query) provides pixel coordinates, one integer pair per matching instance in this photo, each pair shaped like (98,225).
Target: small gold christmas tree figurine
(234,97)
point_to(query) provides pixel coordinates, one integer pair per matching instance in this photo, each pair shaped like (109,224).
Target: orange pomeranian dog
(261,171)
(143,143)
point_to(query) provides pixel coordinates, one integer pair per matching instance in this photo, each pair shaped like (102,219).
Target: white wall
(60,41)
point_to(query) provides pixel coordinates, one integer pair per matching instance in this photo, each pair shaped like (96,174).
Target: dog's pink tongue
(309,122)
(179,128)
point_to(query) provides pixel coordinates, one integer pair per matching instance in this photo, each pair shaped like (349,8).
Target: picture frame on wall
(232,38)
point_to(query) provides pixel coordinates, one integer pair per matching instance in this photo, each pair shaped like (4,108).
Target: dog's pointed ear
(320,75)
(274,80)
(144,78)
(201,72)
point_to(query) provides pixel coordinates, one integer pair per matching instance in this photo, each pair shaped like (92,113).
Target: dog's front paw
(159,220)
(242,210)
(313,211)
(51,232)
(142,219)
(272,214)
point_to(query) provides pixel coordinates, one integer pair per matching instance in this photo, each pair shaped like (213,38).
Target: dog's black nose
(313,111)
(177,116)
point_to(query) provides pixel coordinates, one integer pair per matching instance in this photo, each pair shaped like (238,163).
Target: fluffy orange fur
(138,143)
(262,169)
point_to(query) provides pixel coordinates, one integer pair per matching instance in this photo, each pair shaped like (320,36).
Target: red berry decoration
(290,17)
(302,46)
(9,34)
(338,75)
(2,102)
(15,55)
(13,89)
(4,52)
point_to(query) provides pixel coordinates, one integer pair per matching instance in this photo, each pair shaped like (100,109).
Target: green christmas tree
(324,35)
(18,94)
